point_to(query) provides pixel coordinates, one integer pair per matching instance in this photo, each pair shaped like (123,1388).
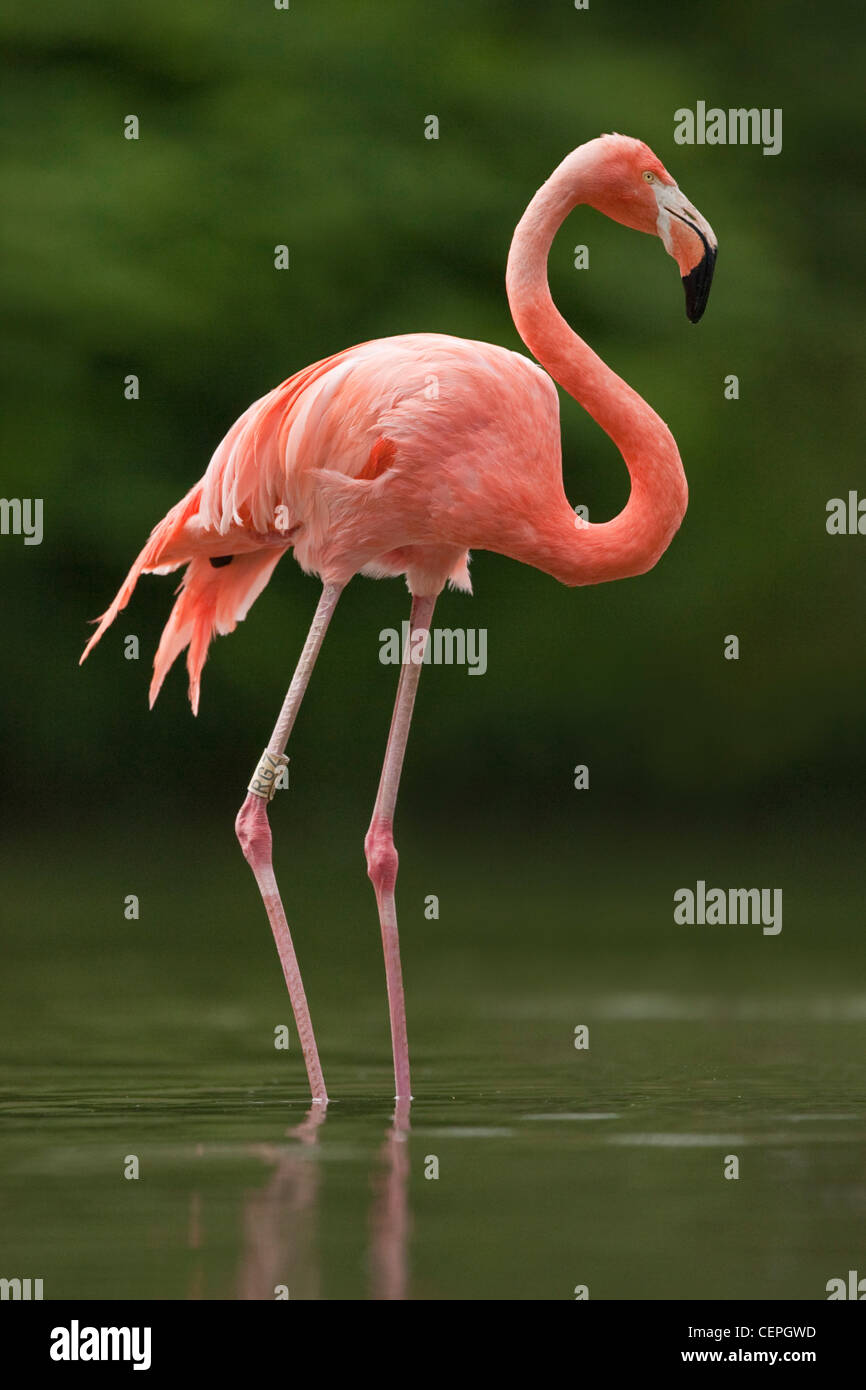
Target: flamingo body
(396,456)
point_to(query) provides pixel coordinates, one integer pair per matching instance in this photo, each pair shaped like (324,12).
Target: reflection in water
(389,1213)
(195,1240)
(280,1219)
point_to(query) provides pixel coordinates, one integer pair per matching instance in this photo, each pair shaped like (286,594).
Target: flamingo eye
(650,177)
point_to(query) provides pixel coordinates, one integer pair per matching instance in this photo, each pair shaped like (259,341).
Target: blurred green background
(306,127)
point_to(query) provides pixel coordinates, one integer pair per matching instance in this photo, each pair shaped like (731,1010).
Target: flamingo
(357,465)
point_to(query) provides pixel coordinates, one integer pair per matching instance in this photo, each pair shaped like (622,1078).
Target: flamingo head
(631,185)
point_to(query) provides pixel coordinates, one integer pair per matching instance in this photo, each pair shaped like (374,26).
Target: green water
(557,1167)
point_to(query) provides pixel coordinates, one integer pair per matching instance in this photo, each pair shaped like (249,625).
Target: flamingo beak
(690,239)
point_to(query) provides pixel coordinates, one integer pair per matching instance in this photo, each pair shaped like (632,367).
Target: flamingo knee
(253,830)
(382,857)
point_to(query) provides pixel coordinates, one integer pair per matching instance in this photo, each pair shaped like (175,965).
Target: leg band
(264,779)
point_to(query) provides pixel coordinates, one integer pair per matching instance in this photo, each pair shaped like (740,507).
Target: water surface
(523,1169)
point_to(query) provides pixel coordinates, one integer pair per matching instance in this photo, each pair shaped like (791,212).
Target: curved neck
(633,541)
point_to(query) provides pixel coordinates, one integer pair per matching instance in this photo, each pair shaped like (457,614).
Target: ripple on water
(678,1141)
(679,1008)
(800,1119)
(576,1115)
(467,1132)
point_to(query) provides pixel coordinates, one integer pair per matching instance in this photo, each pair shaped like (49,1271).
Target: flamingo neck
(588,553)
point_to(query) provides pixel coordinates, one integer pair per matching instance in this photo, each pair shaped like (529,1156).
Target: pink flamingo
(397,457)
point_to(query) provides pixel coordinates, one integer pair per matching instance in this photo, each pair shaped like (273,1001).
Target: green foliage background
(305,126)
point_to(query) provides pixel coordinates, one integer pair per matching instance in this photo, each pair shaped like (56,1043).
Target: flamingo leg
(254,833)
(379,847)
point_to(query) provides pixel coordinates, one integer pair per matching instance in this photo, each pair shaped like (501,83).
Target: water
(557,1167)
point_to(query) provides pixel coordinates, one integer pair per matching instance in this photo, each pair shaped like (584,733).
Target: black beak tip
(697,285)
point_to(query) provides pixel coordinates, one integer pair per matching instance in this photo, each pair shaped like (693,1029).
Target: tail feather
(151,560)
(234,504)
(209,600)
